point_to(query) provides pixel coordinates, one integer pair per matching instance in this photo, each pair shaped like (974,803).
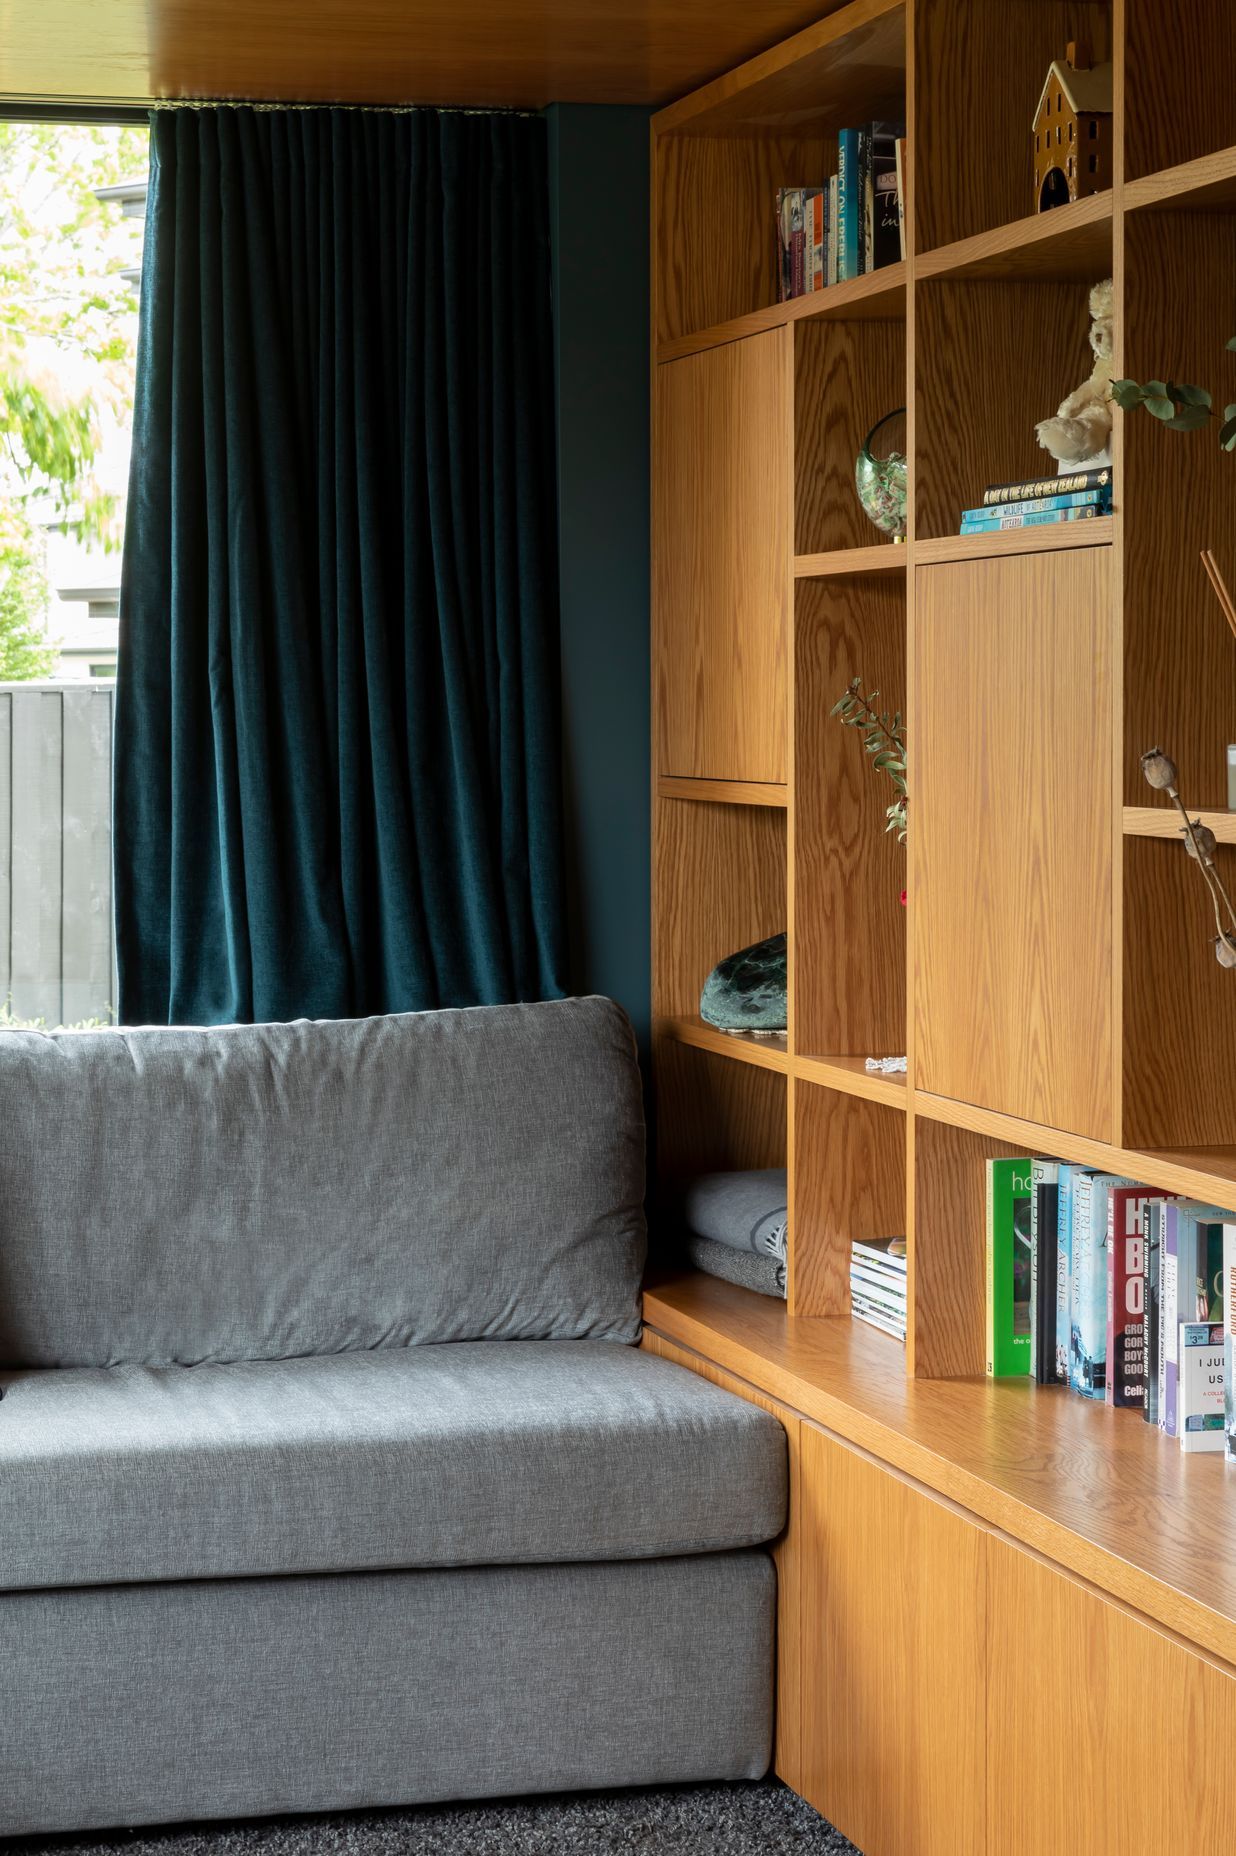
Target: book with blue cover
(1088,1340)
(1041,505)
(991,522)
(851,205)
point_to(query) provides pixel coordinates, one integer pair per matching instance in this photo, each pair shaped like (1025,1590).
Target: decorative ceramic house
(1073,131)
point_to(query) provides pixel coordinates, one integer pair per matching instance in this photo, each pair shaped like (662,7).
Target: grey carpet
(678,1820)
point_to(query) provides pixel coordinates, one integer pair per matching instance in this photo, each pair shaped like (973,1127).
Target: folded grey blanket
(746,1211)
(743,1267)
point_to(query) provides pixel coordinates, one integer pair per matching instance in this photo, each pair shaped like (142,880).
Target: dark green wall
(598,168)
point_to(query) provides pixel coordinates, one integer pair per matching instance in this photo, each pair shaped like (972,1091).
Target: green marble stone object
(746,991)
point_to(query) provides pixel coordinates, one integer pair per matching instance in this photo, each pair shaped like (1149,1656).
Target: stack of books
(1077,497)
(1117,1290)
(878,1284)
(851,223)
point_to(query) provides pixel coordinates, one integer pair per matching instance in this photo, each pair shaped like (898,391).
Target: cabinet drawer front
(1105,1735)
(722,507)
(1012,818)
(892,1658)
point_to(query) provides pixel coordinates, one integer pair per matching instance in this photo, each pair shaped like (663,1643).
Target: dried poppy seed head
(1225,950)
(1202,843)
(1159,769)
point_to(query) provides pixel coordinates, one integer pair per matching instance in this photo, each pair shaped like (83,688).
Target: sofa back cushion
(267,1191)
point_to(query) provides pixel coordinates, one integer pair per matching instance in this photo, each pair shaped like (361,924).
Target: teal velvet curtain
(337,751)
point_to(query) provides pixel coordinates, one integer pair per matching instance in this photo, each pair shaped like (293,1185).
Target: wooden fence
(57,948)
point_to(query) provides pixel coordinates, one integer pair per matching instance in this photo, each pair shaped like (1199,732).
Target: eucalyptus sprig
(884,739)
(1179,408)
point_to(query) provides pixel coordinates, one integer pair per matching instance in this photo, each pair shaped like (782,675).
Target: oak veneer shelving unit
(1051,977)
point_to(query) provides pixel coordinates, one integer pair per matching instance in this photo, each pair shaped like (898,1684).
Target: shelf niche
(980,71)
(849,1185)
(1180,104)
(849,921)
(847,375)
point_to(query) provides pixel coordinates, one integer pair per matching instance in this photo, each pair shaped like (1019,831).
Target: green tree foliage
(67,333)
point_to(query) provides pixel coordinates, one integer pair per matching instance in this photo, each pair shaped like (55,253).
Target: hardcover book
(1200,1424)
(1126,1287)
(886,204)
(1191,1270)
(1044,1222)
(850,214)
(1008,1266)
(1098,477)
(1088,1355)
(1152,1232)
(1066,1176)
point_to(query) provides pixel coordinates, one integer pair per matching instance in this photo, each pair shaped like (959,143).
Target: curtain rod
(378,109)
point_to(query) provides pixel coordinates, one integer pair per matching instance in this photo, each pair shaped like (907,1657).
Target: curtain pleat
(337,733)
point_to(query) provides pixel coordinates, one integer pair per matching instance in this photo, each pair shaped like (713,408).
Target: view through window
(72,206)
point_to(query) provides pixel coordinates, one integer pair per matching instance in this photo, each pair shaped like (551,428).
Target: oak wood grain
(877,296)
(894,1622)
(1013,685)
(979,70)
(1163,821)
(710,1112)
(878,558)
(766,1050)
(718,885)
(850,870)
(849,1186)
(1070,244)
(1050,539)
(1095,1490)
(1070,1766)
(524,53)
(721,571)
(722,792)
(852,1077)
(847,375)
(1178,109)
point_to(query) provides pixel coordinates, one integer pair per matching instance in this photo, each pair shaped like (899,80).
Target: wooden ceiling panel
(522,53)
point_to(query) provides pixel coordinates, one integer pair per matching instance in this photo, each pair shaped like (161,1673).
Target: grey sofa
(329,1473)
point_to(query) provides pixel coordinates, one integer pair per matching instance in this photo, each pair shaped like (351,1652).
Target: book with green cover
(1008,1266)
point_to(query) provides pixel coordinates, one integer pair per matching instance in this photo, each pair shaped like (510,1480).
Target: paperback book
(1008,1266)
(1088,1338)
(1200,1424)
(1044,1239)
(1066,1177)
(1098,477)
(1152,1234)
(1126,1288)
(992,521)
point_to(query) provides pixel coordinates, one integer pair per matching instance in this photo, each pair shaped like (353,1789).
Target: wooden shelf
(1202,1173)
(766,1053)
(1099,533)
(1207,185)
(1071,244)
(880,296)
(851,1076)
(881,558)
(849,67)
(1097,1490)
(721,792)
(1164,822)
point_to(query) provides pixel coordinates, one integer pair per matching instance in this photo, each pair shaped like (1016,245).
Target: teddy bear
(1080,433)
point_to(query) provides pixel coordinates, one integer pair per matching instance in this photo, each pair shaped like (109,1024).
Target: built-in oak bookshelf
(1050,977)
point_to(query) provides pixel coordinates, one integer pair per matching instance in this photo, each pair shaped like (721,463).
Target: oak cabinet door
(722,511)
(1105,1734)
(1012,817)
(893,1664)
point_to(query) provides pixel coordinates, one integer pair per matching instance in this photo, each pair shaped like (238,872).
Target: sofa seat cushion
(465,1454)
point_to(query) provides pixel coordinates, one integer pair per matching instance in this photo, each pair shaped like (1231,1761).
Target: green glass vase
(882,481)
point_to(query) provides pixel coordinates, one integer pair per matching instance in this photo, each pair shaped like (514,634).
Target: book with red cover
(1126,1283)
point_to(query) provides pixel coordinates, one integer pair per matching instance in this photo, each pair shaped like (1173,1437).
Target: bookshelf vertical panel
(850,871)
(1011,843)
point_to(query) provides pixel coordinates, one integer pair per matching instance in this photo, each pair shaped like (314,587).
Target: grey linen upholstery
(467,1454)
(144,1704)
(259,1192)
